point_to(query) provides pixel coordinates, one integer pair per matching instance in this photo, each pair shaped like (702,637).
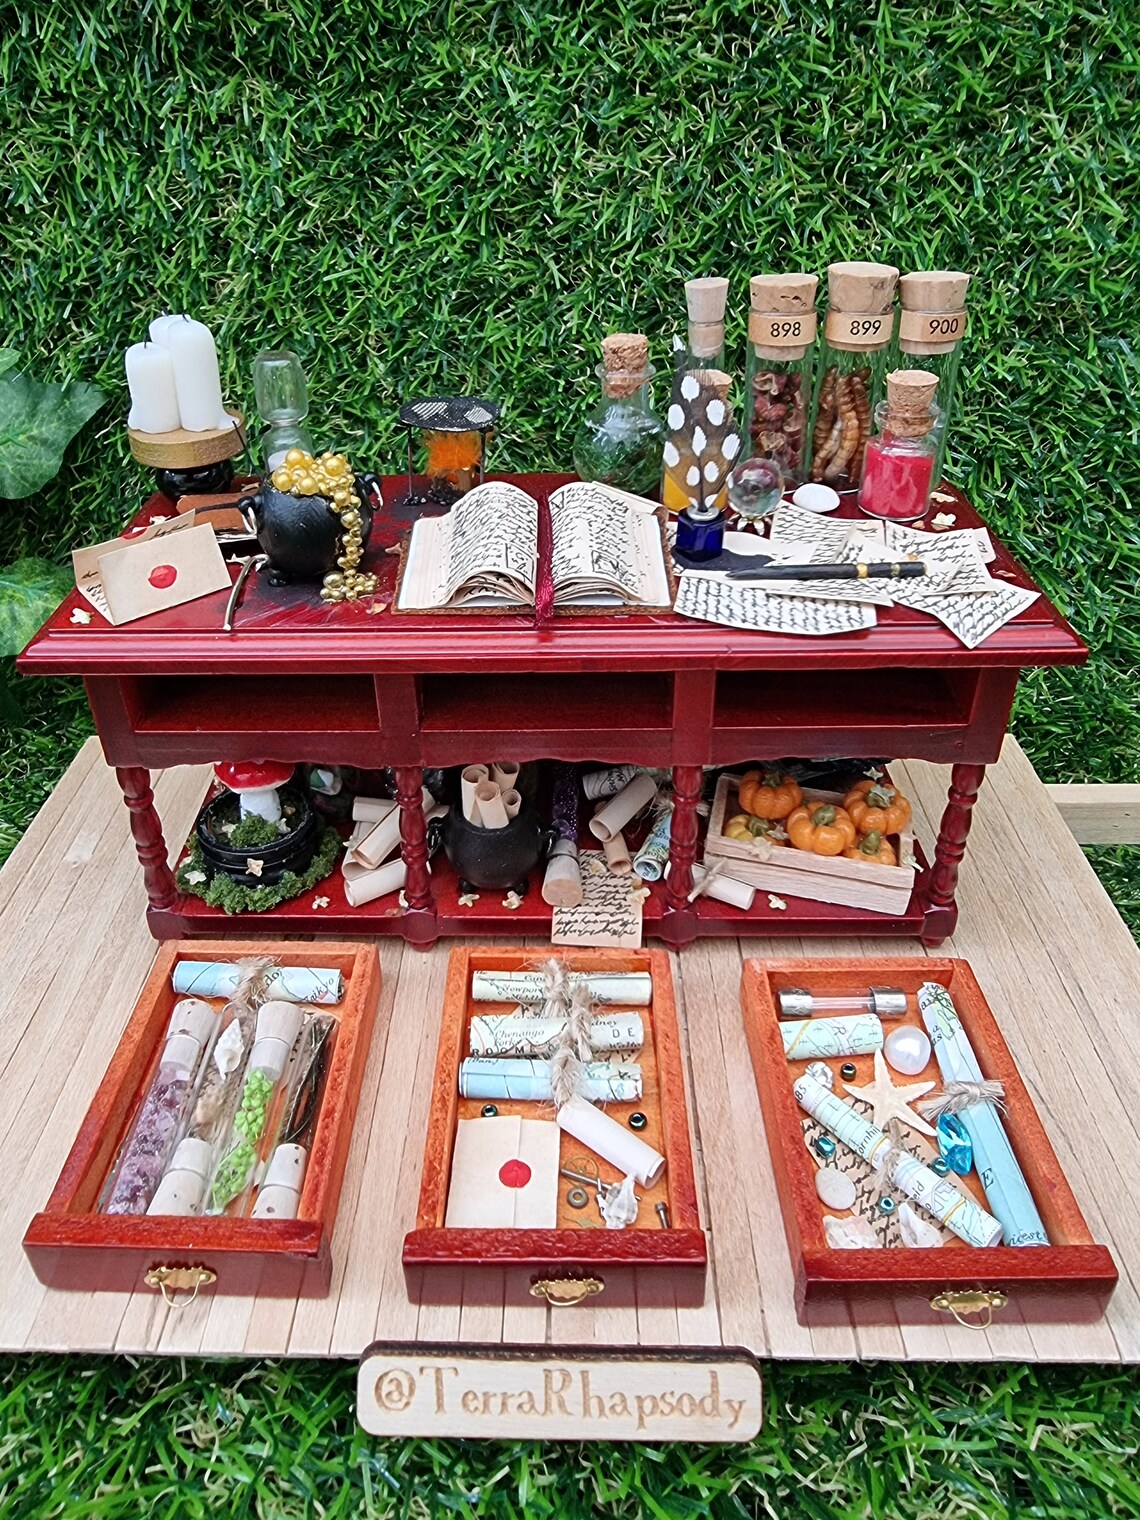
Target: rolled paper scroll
(380,842)
(489,802)
(612,1141)
(505,773)
(938,1196)
(619,809)
(471,777)
(1006,1189)
(296,984)
(723,888)
(651,859)
(359,890)
(500,1077)
(524,1034)
(617,855)
(372,809)
(855,1034)
(562,883)
(624,989)
(609,782)
(512,802)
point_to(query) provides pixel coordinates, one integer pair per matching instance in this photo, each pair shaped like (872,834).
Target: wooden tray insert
(573,1248)
(1071,1278)
(72,1245)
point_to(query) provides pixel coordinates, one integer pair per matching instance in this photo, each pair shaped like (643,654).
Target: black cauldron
(301,535)
(495,858)
(292,852)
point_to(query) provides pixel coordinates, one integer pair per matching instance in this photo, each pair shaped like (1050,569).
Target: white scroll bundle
(368,870)
(855,1034)
(532,1081)
(617,810)
(937,1195)
(612,1141)
(489,794)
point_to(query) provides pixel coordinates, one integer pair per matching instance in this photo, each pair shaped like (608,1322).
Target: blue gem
(886,1205)
(824,1146)
(955,1144)
(939,1166)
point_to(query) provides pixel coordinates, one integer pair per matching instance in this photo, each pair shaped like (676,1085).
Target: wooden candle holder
(182,450)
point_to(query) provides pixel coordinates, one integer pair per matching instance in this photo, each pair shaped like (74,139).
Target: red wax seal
(514,1174)
(163,576)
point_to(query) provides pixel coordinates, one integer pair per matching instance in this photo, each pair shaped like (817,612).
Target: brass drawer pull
(173,1280)
(565,1292)
(971,1301)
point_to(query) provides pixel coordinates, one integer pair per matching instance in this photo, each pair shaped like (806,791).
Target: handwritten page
(603,543)
(609,913)
(711,599)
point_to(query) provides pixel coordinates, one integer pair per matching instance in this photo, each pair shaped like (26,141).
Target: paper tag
(932,326)
(567,1393)
(773,330)
(141,578)
(85,562)
(859,330)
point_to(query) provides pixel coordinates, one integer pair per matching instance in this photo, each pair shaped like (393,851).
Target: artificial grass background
(422,195)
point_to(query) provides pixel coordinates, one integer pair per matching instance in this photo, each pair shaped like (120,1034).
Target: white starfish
(890,1102)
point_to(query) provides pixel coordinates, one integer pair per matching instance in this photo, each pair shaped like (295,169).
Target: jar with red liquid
(898,467)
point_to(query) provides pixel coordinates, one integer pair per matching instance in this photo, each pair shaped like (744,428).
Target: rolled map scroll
(500,1077)
(939,1197)
(524,1034)
(624,989)
(611,1141)
(617,812)
(855,1034)
(651,859)
(609,782)
(1006,1189)
(296,984)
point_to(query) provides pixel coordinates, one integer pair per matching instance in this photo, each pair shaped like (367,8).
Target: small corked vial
(705,300)
(853,359)
(910,403)
(899,462)
(625,364)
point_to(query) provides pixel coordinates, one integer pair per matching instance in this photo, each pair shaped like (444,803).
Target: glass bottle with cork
(899,464)
(620,442)
(932,324)
(850,368)
(778,370)
(703,359)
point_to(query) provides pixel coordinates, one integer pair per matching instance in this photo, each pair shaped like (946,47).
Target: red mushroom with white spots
(255,784)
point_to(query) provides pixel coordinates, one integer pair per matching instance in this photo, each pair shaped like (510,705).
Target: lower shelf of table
(489,916)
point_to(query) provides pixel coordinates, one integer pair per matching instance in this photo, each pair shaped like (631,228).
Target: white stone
(907,1049)
(816,498)
(835,1188)
(916,1231)
(852,1234)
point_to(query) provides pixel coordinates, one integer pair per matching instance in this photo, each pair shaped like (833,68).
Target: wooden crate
(569,1253)
(1070,1280)
(820,878)
(71,1245)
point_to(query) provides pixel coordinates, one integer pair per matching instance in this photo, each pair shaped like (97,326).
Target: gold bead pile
(330,476)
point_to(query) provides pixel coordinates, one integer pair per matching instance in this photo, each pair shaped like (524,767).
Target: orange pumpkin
(744,827)
(877,808)
(873,847)
(822,829)
(771,795)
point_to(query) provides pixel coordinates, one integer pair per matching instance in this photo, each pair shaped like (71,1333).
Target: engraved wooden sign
(569,1393)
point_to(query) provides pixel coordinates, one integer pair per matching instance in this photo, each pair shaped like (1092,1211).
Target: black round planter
(495,858)
(301,535)
(292,852)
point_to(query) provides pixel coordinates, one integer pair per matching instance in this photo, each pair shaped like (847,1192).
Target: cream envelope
(170,563)
(504,1175)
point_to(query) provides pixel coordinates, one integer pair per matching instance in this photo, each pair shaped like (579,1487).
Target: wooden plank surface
(1099,812)
(1058,966)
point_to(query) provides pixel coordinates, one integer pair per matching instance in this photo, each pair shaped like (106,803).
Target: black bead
(847,1070)
(637,1121)
(489,1110)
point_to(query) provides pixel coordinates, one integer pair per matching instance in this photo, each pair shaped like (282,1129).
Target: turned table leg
(150,846)
(420,922)
(941,908)
(680,923)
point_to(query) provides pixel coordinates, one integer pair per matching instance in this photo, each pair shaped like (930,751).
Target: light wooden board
(1099,813)
(1057,964)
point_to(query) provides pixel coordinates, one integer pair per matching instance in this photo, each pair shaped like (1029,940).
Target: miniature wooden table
(356,684)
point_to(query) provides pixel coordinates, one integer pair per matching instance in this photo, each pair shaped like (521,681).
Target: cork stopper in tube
(782,324)
(861,287)
(706,299)
(910,394)
(933,316)
(625,363)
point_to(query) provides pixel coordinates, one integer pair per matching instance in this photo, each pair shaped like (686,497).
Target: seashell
(916,1231)
(850,1234)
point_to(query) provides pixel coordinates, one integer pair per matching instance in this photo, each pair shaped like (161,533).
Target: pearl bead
(907,1049)
(295,456)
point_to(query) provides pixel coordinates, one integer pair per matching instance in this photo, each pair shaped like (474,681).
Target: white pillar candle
(196,379)
(160,326)
(150,376)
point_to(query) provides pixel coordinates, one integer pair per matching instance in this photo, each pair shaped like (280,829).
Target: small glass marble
(754,488)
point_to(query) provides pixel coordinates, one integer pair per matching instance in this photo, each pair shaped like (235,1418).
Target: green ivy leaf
(37,422)
(8,357)
(30,591)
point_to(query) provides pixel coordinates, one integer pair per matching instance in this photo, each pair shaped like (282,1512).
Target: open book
(607,550)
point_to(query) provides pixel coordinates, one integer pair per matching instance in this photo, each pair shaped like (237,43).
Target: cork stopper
(625,364)
(933,290)
(933,316)
(788,294)
(861,287)
(910,394)
(706,299)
